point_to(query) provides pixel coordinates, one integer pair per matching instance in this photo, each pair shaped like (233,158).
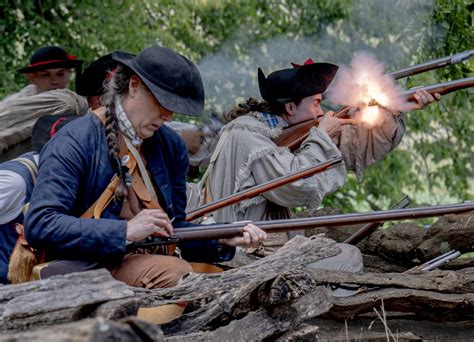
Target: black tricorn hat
(91,81)
(285,85)
(50,57)
(172,78)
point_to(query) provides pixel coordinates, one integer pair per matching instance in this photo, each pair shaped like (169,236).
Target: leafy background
(229,39)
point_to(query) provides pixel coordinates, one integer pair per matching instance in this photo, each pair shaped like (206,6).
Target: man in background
(48,73)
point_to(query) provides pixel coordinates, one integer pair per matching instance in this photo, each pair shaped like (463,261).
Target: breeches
(139,270)
(151,271)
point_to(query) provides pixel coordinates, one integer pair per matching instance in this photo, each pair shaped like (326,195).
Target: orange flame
(370,115)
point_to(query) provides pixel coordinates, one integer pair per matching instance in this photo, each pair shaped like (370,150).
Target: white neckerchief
(125,125)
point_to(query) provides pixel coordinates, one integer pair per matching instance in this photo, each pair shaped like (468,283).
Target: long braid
(254,105)
(116,87)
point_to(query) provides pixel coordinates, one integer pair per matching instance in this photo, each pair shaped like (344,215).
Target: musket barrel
(260,189)
(434,64)
(441,261)
(220,231)
(442,88)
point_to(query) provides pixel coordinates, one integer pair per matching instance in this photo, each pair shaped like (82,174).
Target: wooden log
(62,299)
(405,245)
(440,281)
(223,291)
(300,250)
(372,329)
(266,323)
(303,332)
(396,244)
(434,306)
(450,232)
(376,264)
(92,329)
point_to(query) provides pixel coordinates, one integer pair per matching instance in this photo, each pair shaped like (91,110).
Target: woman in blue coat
(78,163)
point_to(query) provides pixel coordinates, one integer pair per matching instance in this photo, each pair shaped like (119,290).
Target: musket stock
(260,189)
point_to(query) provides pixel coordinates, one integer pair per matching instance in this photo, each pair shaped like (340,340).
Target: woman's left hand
(424,98)
(252,235)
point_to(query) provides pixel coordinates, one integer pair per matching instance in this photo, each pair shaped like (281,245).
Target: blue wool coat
(74,171)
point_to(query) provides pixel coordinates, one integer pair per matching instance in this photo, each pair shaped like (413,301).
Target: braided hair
(254,105)
(116,88)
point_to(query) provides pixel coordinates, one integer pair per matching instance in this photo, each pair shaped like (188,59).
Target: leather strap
(142,168)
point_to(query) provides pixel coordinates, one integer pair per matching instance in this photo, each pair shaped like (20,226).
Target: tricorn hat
(285,85)
(50,57)
(172,78)
(91,81)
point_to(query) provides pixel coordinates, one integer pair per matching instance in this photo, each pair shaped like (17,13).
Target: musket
(441,88)
(293,136)
(426,267)
(436,262)
(369,228)
(222,231)
(260,189)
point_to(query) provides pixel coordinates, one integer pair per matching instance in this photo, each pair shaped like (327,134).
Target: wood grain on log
(62,299)
(449,232)
(440,281)
(93,329)
(266,323)
(434,306)
(372,329)
(222,291)
(376,264)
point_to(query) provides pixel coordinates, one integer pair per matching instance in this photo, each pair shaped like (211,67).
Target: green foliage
(434,162)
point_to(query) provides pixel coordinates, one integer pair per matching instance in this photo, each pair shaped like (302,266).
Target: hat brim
(91,81)
(171,101)
(53,65)
(314,78)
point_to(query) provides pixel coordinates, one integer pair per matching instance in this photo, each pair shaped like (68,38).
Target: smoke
(365,80)
(392,30)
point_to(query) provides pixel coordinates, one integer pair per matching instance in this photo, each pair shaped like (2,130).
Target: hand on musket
(250,238)
(424,98)
(330,123)
(149,222)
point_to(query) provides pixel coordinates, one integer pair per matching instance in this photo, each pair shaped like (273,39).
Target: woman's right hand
(149,222)
(330,124)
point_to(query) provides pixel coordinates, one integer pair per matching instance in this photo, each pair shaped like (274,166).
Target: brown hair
(254,105)
(116,87)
